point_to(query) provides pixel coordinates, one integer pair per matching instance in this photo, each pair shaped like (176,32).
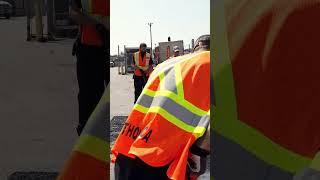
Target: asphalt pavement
(38,101)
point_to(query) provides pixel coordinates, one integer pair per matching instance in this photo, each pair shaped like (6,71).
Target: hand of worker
(307,174)
(197,165)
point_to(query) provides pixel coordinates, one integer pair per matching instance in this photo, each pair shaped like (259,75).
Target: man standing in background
(91,49)
(142,63)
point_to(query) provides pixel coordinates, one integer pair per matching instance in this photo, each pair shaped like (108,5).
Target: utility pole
(150,24)
(125,59)
(118,51)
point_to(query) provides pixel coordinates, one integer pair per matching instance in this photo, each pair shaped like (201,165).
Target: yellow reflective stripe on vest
(175,109)
(226,120)
(316,162)
(196,131)
(177,99)
(93,146)
(179,83)
(93,140)
(162,81)
(136,58)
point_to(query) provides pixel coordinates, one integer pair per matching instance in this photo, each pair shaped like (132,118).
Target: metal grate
(33,176)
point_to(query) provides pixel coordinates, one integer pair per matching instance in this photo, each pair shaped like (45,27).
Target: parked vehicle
(6,9)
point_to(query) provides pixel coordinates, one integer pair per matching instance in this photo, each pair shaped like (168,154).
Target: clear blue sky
(179,19)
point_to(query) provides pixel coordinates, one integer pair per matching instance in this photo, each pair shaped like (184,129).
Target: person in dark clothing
(90,49)
(142,71)
(139,83)
(137,169)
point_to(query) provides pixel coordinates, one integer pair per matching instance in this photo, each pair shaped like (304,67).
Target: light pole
(150,24)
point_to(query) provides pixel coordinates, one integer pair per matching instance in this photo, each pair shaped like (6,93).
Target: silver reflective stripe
(204,121)
(170,80)
(232,162)
(174,109)
(97,124)
(145,100)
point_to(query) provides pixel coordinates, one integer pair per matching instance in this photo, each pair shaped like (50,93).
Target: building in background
(166,49)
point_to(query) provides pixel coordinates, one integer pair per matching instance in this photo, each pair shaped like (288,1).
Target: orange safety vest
(268,92)
(99,9)
(90,157)
(171,113)
(141,63)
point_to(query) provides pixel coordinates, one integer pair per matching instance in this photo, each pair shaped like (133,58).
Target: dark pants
(139,83)
(132,169)
(92,73)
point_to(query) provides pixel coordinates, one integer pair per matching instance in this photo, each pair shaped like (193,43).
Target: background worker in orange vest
(169,121)
(91,49)
(142,63)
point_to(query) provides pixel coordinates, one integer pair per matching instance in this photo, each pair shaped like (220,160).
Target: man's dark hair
(143,45)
